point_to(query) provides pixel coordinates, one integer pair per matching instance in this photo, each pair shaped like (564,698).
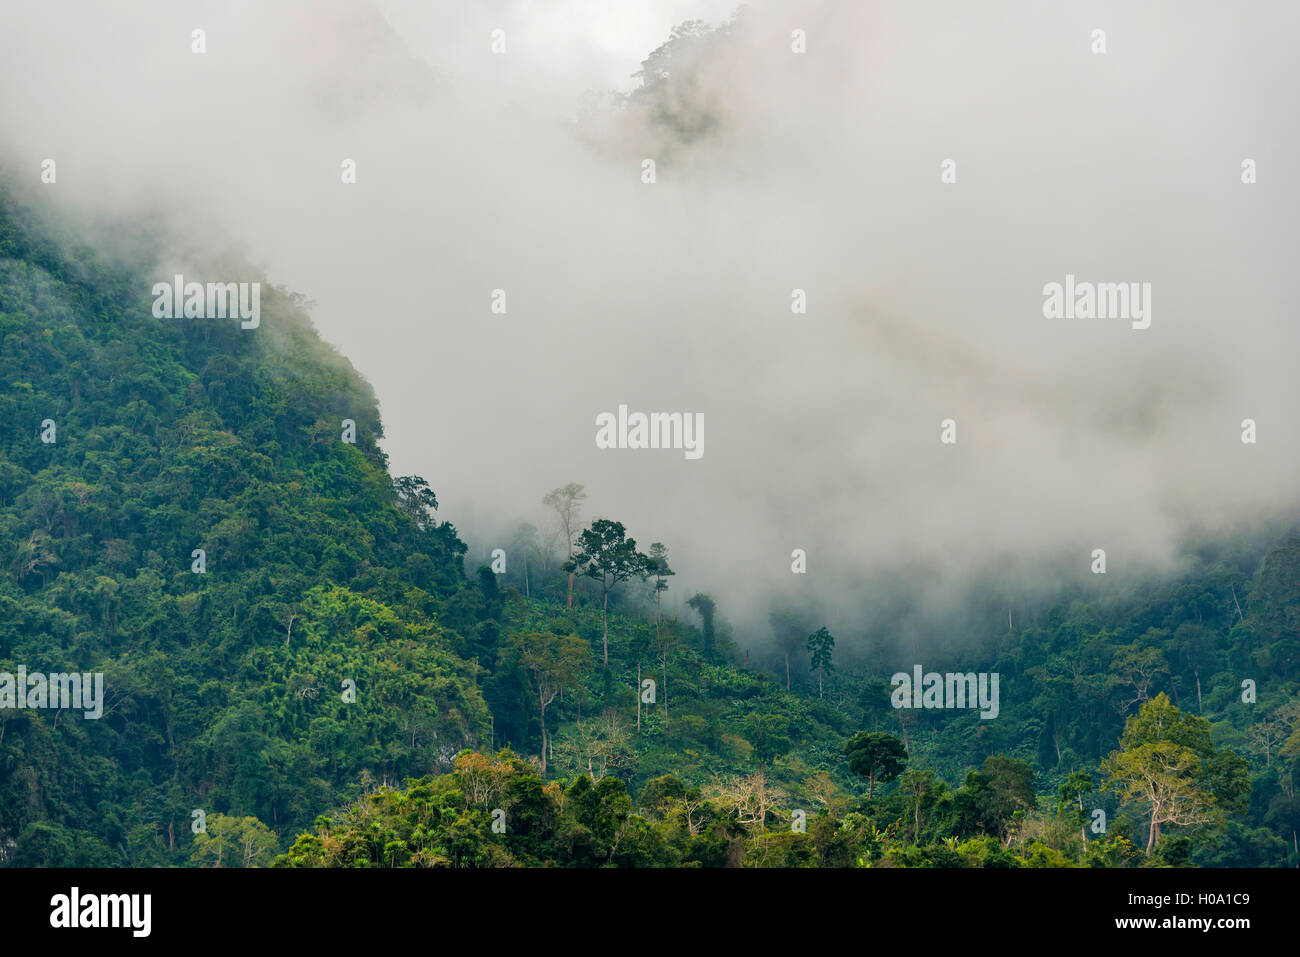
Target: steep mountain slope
(224,690)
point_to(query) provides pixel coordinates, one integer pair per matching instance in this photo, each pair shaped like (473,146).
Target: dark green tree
(657,568)
(876,756)
(605,554)
(821,645)
(415,499)
(769,734)
(705,607)
(994,794)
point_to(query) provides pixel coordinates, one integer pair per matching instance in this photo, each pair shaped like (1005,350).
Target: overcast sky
(925,298)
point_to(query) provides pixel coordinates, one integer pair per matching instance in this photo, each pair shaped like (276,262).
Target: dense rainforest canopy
(300,668)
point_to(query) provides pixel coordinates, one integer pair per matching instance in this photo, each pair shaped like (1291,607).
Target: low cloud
(775,171)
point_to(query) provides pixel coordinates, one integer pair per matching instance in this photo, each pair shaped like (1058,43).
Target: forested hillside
(222,688)
(331,685)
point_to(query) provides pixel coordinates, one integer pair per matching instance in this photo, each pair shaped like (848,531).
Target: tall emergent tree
(657,567)
(526,542)
(790,626)
(567,503)
(705,607)
(1168,765)
(605,554)
(821,644)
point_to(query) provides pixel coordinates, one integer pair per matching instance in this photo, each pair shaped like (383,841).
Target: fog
(818,171)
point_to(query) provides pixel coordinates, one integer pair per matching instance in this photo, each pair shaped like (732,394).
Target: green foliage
(1168,766)
(994,795)
(821,645)
(875,756)
(234,842)
(335,647)
(224,690)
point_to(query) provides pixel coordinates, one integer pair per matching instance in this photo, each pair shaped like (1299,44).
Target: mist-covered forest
(355,587)
(338,685)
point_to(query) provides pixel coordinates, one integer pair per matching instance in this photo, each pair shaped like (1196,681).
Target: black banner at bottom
(339,906)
